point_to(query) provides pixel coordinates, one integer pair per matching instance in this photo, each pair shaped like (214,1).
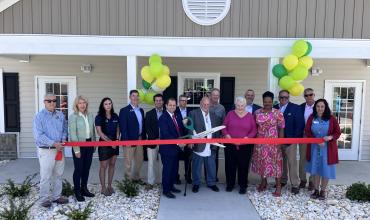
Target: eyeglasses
(184,100)
(307,95)
(283,97)
(50,100)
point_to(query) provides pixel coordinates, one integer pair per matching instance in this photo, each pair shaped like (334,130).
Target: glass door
(345,100)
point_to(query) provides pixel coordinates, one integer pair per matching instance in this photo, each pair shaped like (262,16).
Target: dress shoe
(295,190)
(310,186)
(61,200)
(85,192)
(282,185)
(46,204)
(174,190)
(322,195)
(302,185)
(214,188)
(195,189)
(315,194)
(229,188)
(242,191)
(169,195)
(79,197)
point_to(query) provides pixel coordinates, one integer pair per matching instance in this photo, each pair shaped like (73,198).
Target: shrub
(67,189)
(128,187)
(77,214)
(358,191)
(16,212)
(12,190)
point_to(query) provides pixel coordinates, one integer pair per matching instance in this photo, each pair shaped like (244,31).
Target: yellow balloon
(166,70)
(290,62)
(286,82)
(296,90)
(149,98)
(146,75)
(306,62)
(141,95)
(163,81)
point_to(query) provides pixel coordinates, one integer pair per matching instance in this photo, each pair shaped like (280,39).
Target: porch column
(272,80)
(2,112)
(131,74)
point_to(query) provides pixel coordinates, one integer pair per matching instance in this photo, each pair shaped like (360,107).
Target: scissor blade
(212,130)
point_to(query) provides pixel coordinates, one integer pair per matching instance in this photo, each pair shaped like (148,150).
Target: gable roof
(4,4)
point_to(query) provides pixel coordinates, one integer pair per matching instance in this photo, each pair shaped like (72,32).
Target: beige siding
(107,79)
(246,18)
(343,70)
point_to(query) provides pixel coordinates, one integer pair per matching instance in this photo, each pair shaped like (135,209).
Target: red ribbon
(273,141)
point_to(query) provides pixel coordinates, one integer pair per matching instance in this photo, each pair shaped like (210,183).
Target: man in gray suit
(204,153)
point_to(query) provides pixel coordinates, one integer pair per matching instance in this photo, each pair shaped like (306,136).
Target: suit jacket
(199,126)
(255,107)
(129,125)
(77,128)
(151,126)
(177,111)
(167,130)
(294,121)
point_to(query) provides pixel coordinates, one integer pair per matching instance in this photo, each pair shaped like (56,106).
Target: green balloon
(156,69)
(141,95)
(300,48)
(155,58)
(299,73)
(286,82)
(309,48)
(146,85)
(279,71)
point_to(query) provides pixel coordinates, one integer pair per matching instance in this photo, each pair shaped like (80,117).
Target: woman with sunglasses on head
(322,158)
(106,123)
(81,128)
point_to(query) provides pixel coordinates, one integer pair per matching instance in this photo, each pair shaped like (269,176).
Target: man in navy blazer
(294,124)
(184,111)
(131,124)
(170,127)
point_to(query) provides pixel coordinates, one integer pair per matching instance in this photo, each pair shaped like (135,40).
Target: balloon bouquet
(294,68)
(155,79)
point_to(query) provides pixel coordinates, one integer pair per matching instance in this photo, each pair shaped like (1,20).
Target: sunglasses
(283,97)
(307,95)
(50,100)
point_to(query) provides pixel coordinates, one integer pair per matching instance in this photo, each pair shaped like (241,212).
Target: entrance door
(64,89)
(345,100)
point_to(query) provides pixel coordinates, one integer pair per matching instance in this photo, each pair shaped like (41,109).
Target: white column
(131,73)
(272,80)
(2,112)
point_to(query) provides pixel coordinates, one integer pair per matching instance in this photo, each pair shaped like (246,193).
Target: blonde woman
(81,128)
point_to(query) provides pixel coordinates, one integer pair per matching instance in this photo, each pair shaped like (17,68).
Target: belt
(46,147)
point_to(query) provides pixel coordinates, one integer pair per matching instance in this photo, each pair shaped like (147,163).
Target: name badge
(289,114)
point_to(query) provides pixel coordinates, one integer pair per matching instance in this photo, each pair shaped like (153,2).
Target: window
(206,12)
(197,85)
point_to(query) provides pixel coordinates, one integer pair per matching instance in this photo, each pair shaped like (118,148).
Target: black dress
(109,128)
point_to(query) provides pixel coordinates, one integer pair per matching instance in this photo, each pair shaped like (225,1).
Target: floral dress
(267,160)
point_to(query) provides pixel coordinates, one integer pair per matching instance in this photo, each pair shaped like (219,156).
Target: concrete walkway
(207,204)
(203,205)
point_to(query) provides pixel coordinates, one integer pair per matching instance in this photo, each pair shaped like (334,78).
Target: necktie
(176,125)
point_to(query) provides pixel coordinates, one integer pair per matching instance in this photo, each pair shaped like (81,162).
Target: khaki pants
(154,166)
(302,162)
(51,172)
(133,160)
(290,165)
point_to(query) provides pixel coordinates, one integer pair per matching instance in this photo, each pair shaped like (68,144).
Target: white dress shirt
(207,150)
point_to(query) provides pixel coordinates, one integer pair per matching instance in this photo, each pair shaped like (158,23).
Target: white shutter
(206,12)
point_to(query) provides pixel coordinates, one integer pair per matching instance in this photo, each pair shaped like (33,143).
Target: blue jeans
(209,163)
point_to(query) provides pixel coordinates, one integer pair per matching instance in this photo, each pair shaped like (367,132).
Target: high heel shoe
(277,192)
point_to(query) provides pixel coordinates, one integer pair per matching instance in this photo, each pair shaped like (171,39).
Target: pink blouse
(238,127)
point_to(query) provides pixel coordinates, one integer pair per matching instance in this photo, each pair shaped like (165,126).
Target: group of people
(166,121)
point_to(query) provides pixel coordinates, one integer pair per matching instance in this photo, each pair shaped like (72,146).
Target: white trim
(2,107)
(177,46)
(4,4)
(272,80)
(131,74)
(362,109)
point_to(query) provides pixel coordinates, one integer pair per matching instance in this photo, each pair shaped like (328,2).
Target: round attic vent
(206,12)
